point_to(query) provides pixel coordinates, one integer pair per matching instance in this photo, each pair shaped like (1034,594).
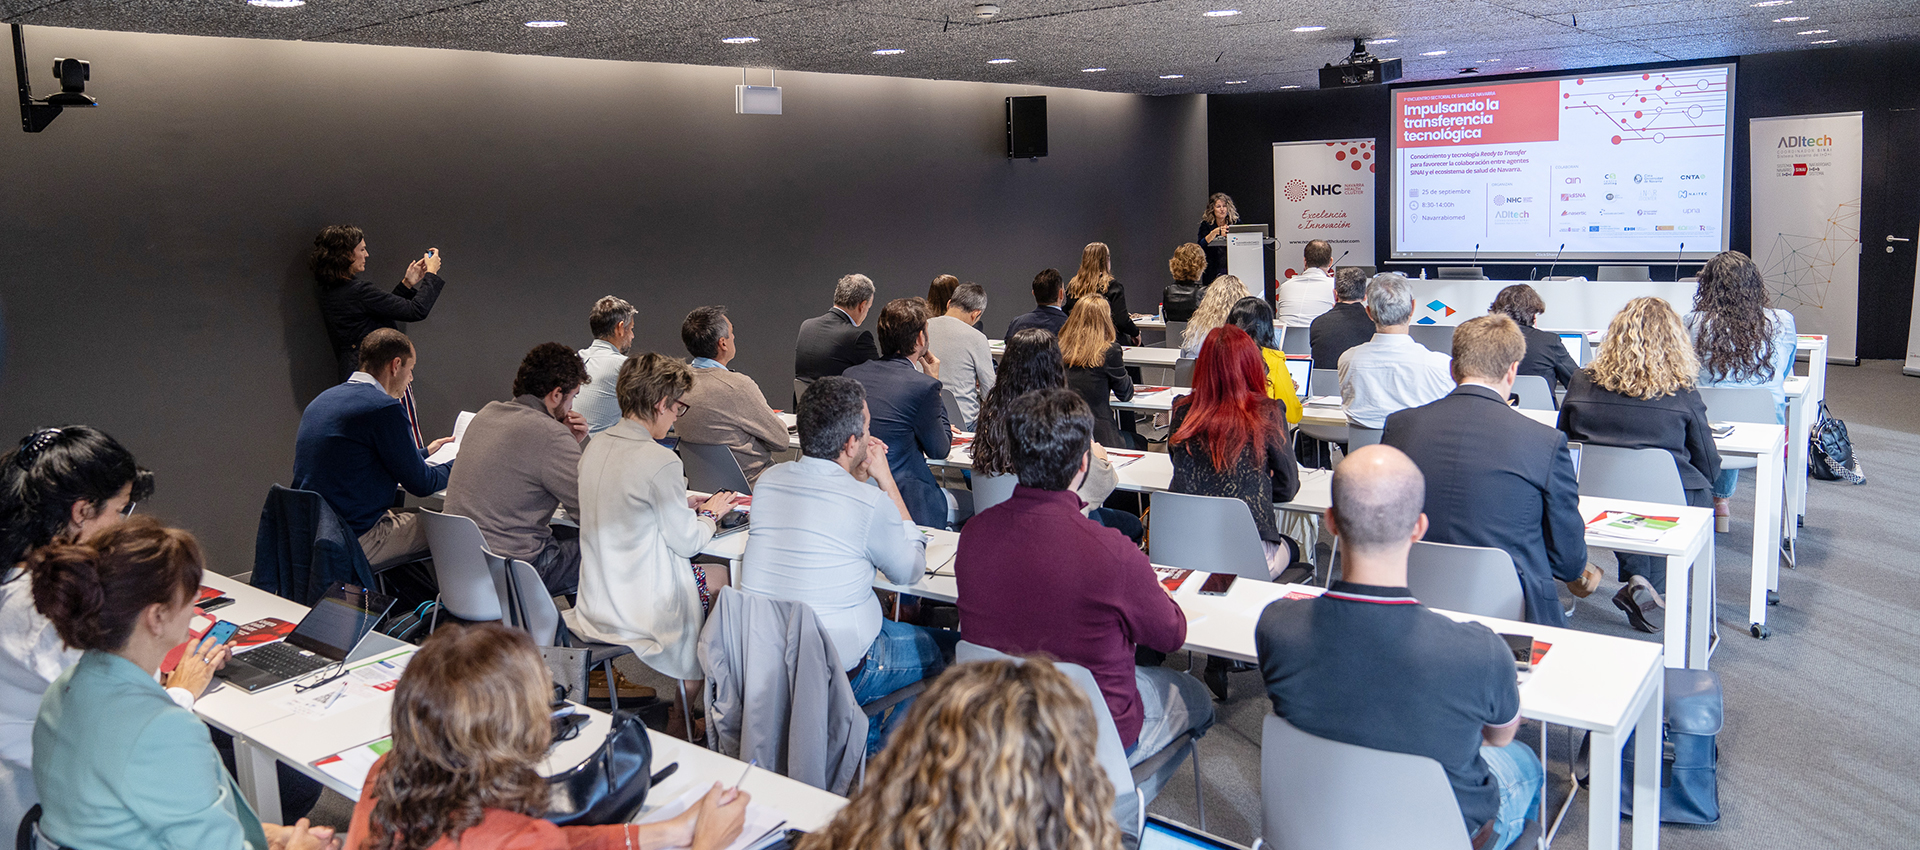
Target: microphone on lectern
(1676,261)
(1476,254)
(1343,255)
(1556,260)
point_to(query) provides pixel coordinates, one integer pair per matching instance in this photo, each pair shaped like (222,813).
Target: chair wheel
(1773,597)
(1760,631)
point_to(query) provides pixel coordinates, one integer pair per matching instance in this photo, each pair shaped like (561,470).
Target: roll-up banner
(1323,190)
(1913,328)
(1805,175)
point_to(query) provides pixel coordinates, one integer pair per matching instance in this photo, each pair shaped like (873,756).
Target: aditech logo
(1512,214)
(1804,142)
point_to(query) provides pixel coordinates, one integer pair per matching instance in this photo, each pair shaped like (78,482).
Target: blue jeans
(901,655)
(1724,485)
(1171,702)
(1120,521)
(1518,773)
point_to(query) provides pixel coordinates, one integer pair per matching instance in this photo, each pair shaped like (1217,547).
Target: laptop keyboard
(283,660)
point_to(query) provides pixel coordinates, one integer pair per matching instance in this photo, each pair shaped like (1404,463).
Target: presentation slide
(1618,166)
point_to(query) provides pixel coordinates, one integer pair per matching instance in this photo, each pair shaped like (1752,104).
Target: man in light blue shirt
(819,532)
(612,324)
(1390,372)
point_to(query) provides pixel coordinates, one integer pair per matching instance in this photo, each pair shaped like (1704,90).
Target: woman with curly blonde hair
(1214,221)
(996,754)
(1639,393)
(1179,298)
(1225,291)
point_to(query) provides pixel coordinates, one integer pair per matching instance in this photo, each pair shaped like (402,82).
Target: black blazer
(353,309)
(1335,331)
(1261,477)
(829,344)
(1124,329)
(1045,317)
(1676,422)
(1216,254)
(1093,384)
(1496,478)
(1547,357)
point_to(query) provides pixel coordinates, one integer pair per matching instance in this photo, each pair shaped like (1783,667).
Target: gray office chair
(1468,579)
(1183,372)
(711,469)
(472,579)
(1208,533)
(1644,475)
(1318,794)
(1740,404)
(531,609)
(1433,337)
(990,490)
(1134,788)
(953,408)
(1296,340)
(1359,437)
(1176,332)
(1534,392)
(799,387)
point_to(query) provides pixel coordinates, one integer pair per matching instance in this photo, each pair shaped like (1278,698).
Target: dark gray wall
(152,250)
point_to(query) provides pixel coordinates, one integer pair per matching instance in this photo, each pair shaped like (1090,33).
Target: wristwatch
(708,514)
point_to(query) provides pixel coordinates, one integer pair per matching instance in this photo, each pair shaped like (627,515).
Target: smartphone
(214,604)
(223,631)
(1522,648)
(1217,584)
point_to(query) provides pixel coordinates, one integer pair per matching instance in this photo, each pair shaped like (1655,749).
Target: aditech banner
(1805,174)
(1323,190)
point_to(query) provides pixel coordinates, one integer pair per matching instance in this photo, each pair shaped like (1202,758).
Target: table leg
(1646,774)
(258,779)
(1799,426)
(1603,800)
(1767,497)
(1700,566)
(1680,598)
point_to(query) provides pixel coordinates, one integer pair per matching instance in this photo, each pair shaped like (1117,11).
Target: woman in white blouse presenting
(639,530)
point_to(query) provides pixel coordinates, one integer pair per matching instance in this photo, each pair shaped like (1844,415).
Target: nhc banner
(1913,328)
(1323,190)
(1805,174)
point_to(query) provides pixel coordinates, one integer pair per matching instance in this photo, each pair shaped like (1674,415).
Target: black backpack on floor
(1830,455)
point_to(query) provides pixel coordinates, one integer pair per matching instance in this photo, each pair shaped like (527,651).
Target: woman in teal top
(1741,342)
(120,763)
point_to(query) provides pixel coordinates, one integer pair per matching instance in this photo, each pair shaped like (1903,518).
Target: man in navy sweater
(355,445)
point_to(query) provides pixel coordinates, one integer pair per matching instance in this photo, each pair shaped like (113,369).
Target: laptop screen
(1300,369)
(343,616)
(1576,344)
(1166,835)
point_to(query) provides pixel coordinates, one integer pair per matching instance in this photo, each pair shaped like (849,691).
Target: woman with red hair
(1230,439)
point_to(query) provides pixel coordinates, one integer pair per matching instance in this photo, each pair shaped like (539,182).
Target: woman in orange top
(470,722)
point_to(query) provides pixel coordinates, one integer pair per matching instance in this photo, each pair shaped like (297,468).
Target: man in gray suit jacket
(832,342)
(1494,477)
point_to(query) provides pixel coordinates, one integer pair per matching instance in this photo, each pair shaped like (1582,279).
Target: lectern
(1247,255)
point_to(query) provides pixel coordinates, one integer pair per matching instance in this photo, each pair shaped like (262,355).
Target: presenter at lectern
(1213,226)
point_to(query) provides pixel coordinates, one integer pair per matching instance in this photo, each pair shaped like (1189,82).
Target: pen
(743,774)
(336,696)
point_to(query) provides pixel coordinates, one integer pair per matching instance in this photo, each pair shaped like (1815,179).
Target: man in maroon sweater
(1035,575)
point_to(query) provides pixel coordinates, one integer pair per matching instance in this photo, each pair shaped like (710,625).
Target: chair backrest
(1740,404)
(1534,392)
(990,490)
(472,580)
(1176,332)
(301,548)
(1107,749)
(1646,475)
(1468,579)
(1318,794)
(711,469)
(799,387)
(1324,382)
(529,606)
(953,408)
(1297,340)
(1359,436)
(1210,533)
(1183,372)
(1433,337)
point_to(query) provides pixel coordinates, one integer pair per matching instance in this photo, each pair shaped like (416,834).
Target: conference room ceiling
(1137,44)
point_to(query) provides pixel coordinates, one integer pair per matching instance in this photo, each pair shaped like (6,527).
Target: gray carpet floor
(1819,749)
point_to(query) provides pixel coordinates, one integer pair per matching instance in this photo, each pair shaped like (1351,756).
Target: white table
(1763,443)
(264,732)
(1609,686)
(1132,355)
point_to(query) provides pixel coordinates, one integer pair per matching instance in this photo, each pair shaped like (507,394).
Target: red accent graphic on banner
(1477,115)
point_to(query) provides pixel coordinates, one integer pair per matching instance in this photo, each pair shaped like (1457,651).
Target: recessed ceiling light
(1382,40)
(1308,28)
(276,4)
(739,39)
(999,61)
(1220,13)
(1825,41)
(1289,87)
(1811,32)
(1236,82)
(1766,3)
(888,51)
(1524,68)
(1790,19)
(1434,53)
(546,25)
(1171,76)
(1091,70)
(1486,61)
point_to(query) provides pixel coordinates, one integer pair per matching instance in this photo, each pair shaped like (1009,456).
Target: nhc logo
(1326,189)
(1804,142)
(1296,190)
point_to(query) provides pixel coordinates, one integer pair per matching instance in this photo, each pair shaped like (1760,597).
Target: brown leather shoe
(597,686)
(1587,583)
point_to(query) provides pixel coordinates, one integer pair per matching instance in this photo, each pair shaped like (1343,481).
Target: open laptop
(1300,369)
(326,636)
(1163,834)
(1576,344)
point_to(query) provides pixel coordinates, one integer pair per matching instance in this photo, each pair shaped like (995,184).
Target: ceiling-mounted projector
(1360,68)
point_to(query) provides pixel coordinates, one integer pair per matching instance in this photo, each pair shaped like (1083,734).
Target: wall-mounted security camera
(35,115)
(985,11)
